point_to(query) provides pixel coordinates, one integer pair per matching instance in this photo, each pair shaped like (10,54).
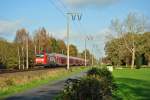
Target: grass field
(14,83)
(132,84)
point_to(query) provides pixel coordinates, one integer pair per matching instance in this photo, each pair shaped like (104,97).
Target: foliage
(145,46)
(73,50)
(13,54)
(87,88)
(102,73)
(127,29)
(62,47)
(89,56)
(120,55)
(96,85)
(8,54)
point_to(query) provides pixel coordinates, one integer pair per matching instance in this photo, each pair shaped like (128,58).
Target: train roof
(62,55)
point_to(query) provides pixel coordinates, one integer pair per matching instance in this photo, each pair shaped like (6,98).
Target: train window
(39,56)
(51,58)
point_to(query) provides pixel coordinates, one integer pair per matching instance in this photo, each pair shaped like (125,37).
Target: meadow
(13,83)
(133,84)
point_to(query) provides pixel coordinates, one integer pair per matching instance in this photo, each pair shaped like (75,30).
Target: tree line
(131,46)
(24,47)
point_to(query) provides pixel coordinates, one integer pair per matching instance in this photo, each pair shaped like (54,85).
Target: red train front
(41,59)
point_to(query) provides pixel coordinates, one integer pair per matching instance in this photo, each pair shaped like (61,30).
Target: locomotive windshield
(39,55)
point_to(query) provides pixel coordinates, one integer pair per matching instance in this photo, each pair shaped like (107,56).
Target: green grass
(62,74)
(132,84)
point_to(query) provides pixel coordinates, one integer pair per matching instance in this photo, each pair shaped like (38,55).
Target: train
(55,59)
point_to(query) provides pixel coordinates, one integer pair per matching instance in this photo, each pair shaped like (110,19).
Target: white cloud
(82,3)
(9,27)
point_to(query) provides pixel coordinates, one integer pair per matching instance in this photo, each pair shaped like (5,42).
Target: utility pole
(93,47)
(85,52)
(73,15)
(22,58)
(92,55)
(62,51)
(35,49)
(27,53)
(19,57)
(68,28)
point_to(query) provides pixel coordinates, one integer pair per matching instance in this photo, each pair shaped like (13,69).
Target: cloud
(83,3)
(9,27)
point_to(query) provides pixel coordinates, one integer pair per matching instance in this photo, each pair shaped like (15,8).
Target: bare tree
(22,40)
(133,24)
(42,40)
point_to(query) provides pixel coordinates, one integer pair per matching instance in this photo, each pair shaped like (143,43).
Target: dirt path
(46,92)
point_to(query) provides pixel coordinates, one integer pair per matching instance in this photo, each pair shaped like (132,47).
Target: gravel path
(46,92)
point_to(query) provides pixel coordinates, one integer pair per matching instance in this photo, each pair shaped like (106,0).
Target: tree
(62,47)
(21,40)
(117,52)
(112,50)
(54,46)
(73,51)
(89,56)
(8,52)
(41,39)
(145,46)
(133,24)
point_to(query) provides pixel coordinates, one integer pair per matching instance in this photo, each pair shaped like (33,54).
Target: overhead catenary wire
(63,5)
(57,8)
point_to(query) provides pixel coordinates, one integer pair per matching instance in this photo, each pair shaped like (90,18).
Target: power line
(64,6)
(58,9)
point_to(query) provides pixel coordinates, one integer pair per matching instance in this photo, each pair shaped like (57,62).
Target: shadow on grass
(132,89)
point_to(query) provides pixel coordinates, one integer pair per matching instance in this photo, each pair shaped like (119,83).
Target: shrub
(97,85)
(87,88)
(102,73)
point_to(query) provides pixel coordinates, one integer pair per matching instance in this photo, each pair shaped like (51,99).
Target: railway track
(3,71)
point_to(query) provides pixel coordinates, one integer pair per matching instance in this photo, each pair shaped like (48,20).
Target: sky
(51,14)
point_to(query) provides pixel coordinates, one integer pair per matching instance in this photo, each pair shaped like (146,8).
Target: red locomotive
(54,59)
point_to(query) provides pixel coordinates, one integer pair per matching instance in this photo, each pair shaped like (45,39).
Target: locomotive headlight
(39,60)
(36,60)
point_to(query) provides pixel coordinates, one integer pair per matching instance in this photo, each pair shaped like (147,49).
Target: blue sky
(96,18)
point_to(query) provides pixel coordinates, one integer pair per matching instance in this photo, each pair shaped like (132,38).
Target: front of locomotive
(41,59)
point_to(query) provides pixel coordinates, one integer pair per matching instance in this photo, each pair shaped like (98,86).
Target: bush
(97,85)
(101,73)
(87,88)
